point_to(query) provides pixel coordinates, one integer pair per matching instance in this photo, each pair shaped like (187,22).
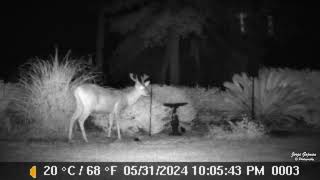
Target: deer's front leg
(118,126)
(116,117)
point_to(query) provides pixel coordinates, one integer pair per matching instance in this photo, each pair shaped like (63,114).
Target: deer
(94,99)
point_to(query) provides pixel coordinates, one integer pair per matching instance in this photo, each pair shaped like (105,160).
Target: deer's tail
(79,105)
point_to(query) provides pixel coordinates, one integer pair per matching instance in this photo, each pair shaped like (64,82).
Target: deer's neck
(132,97)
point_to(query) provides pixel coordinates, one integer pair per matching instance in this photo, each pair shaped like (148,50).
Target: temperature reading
(111,169)
(93,170)
(50,170)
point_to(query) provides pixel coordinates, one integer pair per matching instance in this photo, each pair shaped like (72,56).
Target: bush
(203,99)
(8,92)
(207,103)
(279,98)
(9,116)
(47,102)
(136,118)
(312,83)
(244,129)
(171,94)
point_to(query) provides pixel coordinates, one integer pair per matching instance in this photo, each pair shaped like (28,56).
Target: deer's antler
(144,77)
(134,77)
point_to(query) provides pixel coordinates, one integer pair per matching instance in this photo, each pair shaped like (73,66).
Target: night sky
(33,28)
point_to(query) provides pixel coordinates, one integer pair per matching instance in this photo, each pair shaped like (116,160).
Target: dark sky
(31,28)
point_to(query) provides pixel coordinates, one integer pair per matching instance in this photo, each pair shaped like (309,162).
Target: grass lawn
(186,148)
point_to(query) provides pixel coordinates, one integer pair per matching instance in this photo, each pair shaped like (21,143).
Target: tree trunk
(172,59)
(164,69)
(194,50)
(100,40)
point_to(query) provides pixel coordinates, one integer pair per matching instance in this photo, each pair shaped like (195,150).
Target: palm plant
(279,98)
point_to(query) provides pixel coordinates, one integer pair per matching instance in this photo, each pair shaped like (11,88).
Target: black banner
(160,170)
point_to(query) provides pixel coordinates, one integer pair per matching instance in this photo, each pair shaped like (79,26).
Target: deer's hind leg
(74,117)
(111,118)
(81,121)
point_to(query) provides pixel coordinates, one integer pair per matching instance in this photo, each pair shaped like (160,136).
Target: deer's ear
(147,83)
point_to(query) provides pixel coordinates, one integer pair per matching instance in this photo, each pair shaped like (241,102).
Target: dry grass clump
(243,129)
(47,102)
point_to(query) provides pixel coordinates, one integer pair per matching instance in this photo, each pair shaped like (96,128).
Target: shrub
(244,129)
(279,98)
(8,92)
(9,116)
(136,118)
(171,94)
(207,102)
(47,102)
(312,82)
(204,99)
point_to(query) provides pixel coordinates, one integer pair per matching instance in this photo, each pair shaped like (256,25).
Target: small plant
(9,116)
(208,103)
(47,102)
(204,99)
(243,129)
(279,98)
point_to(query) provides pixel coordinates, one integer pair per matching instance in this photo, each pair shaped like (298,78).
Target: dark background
(34,28)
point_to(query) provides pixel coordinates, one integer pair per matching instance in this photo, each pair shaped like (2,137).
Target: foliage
(8,91)
(47,101)
(202,98)
(129,22)
(171,94)
(279,98)
(149,23)
(208,103)
(136,118)
(153,21)
(244,129)
(119,5)
(312,83)
(184,21)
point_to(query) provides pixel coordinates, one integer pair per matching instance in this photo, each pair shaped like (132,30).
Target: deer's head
(141,86)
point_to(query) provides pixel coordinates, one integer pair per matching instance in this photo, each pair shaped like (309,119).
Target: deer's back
(99,99)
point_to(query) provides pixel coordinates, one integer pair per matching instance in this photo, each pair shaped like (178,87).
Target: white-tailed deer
(91,98)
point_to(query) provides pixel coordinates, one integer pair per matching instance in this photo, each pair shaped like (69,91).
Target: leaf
(279,95)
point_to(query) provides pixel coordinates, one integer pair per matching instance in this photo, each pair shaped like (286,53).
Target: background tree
(148,23)
(211,28)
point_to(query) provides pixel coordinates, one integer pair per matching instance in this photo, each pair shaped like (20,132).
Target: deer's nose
(147,93)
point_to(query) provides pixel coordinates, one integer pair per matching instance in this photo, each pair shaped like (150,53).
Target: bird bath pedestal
(174,117)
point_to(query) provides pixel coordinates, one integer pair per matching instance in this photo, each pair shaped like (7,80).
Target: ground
(187,148)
